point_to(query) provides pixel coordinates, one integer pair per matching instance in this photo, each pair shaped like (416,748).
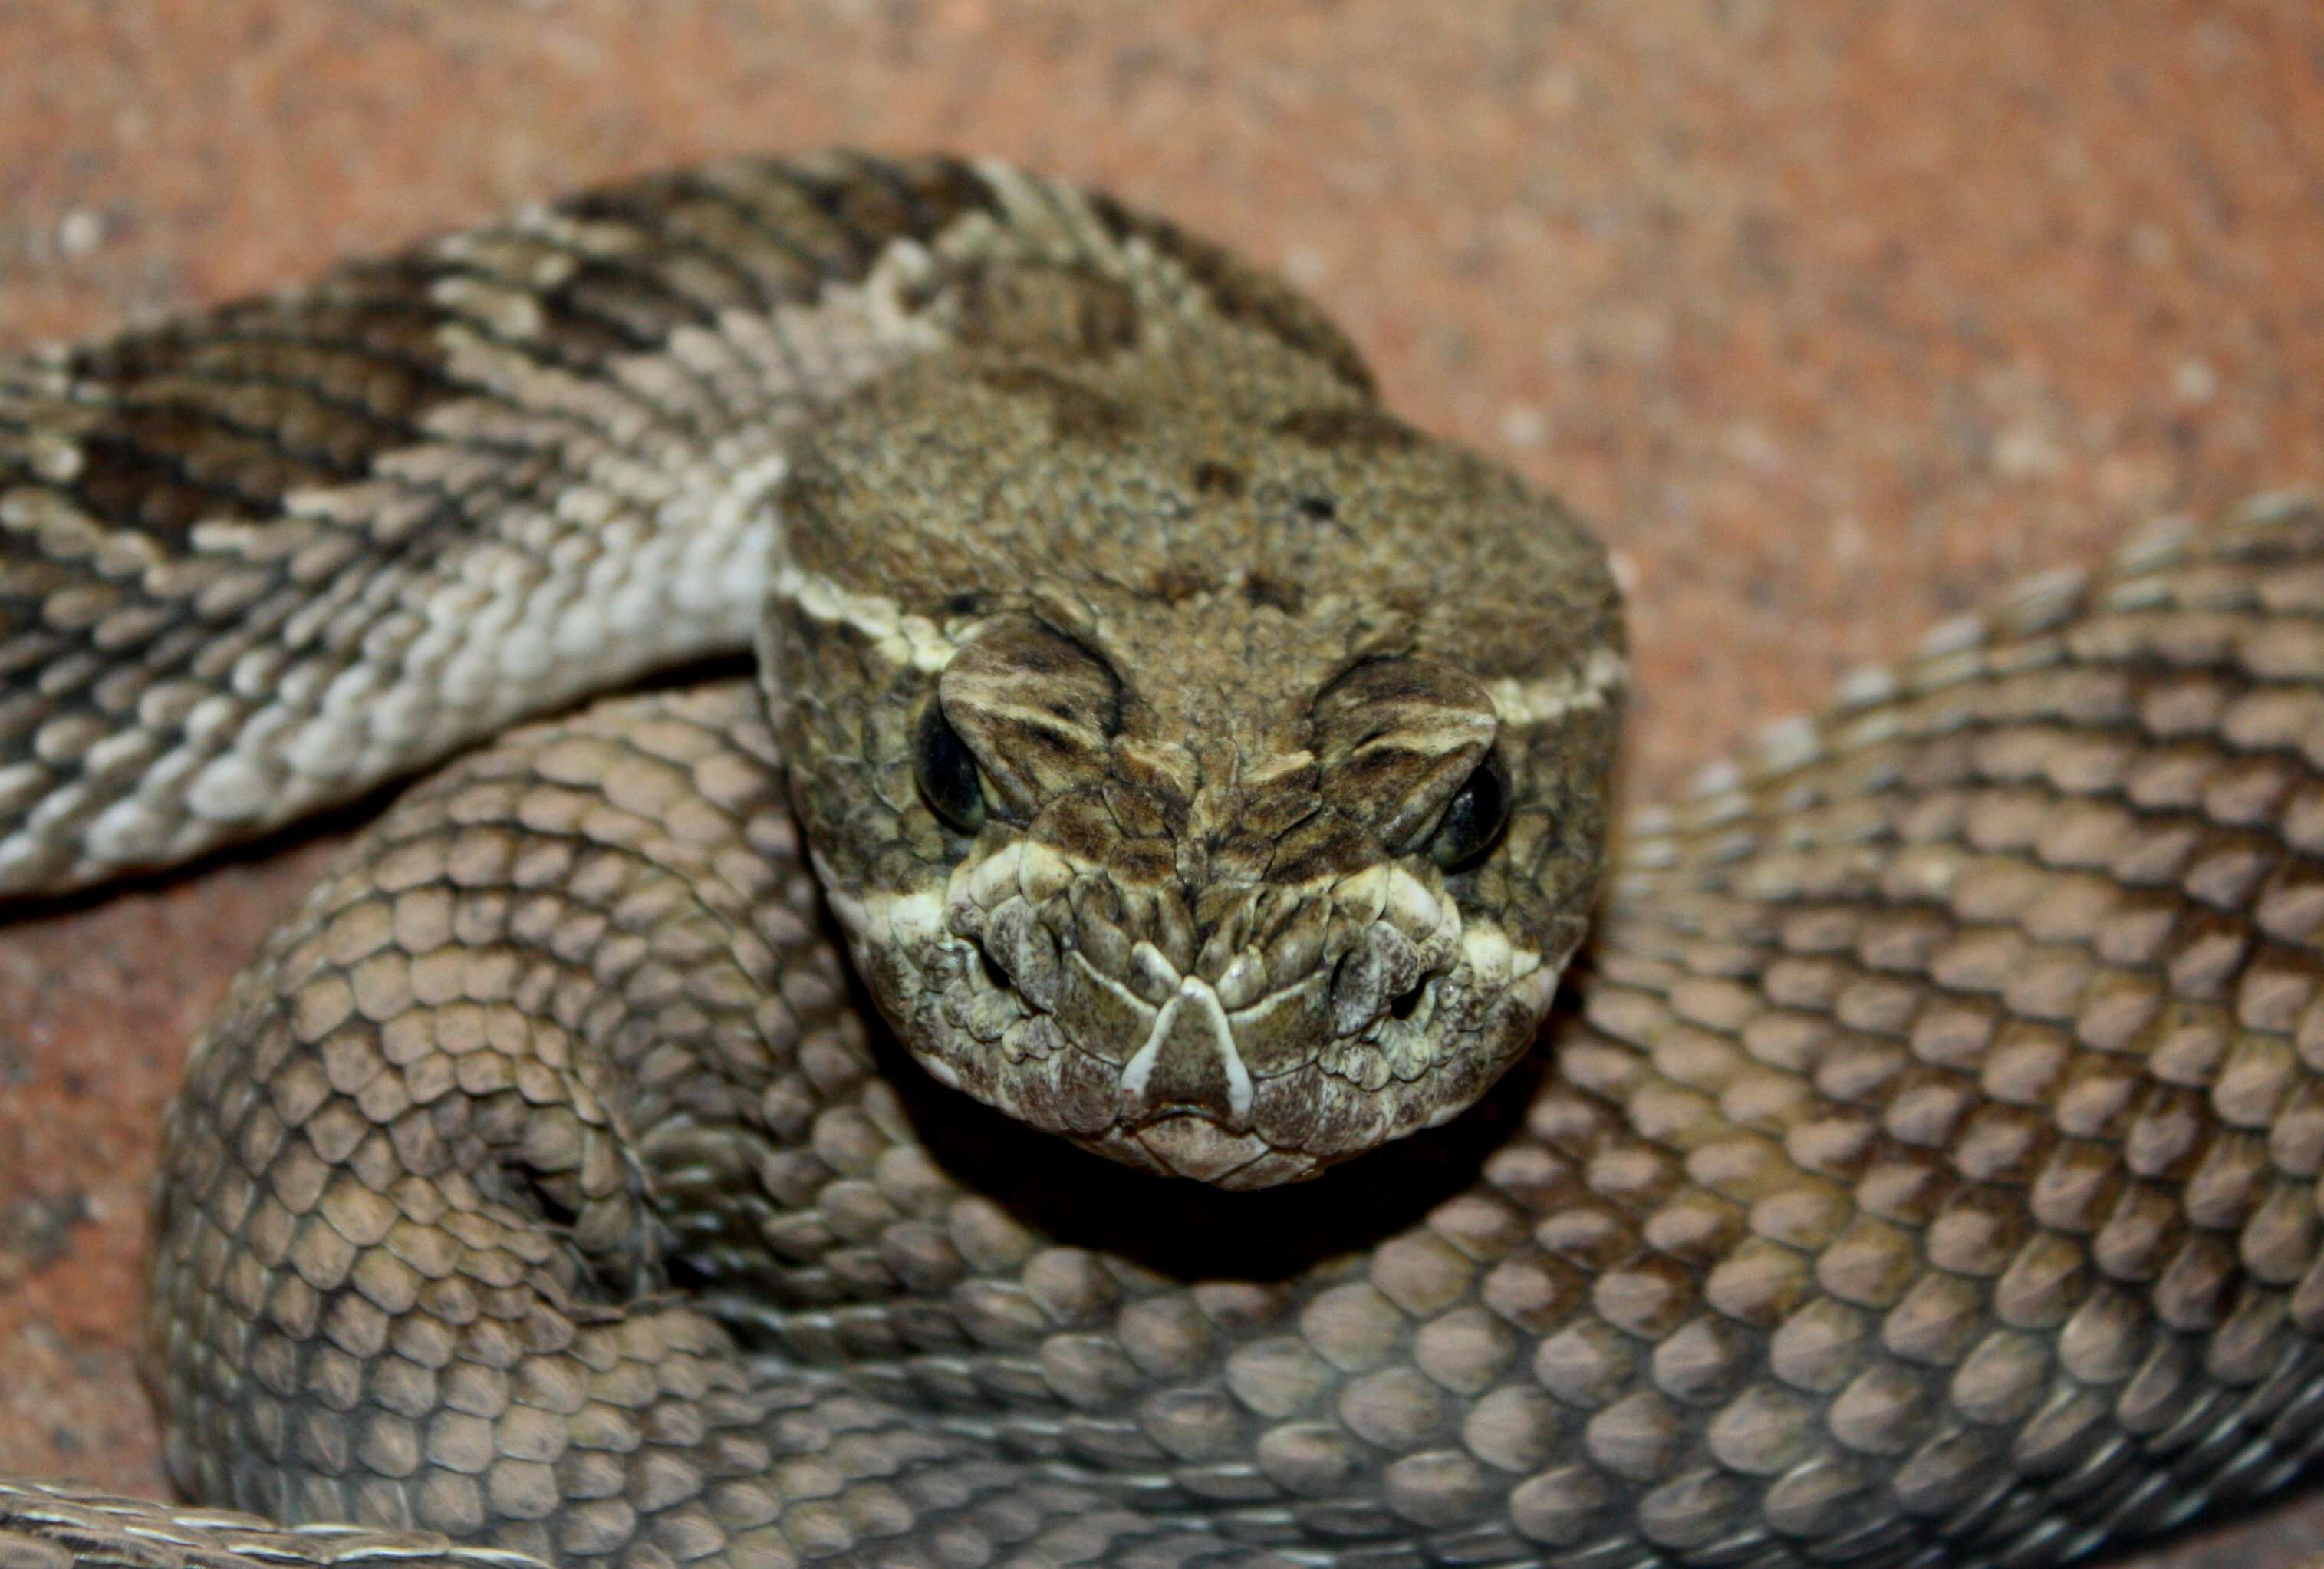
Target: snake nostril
(994,976)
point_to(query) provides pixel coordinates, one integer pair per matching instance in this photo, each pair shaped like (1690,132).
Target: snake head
(1224,792)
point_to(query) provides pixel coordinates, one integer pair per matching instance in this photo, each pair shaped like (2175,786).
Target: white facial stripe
(1492,959)
(1195,992)
(1543,699)
(907,640)
(882,917)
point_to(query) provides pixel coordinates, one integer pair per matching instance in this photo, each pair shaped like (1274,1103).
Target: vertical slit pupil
(1480,810)
(947,770)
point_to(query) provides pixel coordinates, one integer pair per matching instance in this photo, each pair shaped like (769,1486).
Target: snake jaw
(1354,1012)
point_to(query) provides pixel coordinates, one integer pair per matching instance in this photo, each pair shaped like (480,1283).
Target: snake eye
(946,771)
(1479,812)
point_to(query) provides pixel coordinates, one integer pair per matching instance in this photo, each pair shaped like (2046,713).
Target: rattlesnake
(1201,765)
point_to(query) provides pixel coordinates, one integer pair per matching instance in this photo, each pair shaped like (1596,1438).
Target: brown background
(1835,315)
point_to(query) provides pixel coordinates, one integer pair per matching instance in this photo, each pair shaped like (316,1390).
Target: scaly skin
(1922,1169)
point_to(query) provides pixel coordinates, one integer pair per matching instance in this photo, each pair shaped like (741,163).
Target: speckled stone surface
(1835,315)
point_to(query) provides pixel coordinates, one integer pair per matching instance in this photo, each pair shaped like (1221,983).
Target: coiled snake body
(1200,765)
